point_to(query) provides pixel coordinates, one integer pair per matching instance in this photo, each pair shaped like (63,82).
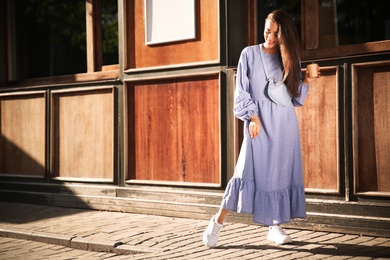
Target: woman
(268,179)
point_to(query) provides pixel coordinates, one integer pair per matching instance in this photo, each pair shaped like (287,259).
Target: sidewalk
(35,232)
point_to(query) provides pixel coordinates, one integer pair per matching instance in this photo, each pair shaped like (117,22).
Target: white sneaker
(211,234)
(277,235)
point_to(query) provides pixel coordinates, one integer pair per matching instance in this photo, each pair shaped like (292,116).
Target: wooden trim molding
(344,51)
(173,183)
(109,75)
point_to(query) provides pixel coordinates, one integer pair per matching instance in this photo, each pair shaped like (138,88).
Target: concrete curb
(75,242)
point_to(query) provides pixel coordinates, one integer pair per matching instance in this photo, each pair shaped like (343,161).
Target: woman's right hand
(254,126)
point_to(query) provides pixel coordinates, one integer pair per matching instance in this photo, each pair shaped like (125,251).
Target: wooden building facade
(139,118)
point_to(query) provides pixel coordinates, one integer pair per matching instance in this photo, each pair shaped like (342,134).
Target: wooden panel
(22,140)
(318,122)
(83,134)
(176,128)
(371,124)
(382,126)
(203,49)
(365,127)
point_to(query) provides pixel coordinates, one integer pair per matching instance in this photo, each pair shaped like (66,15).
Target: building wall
(156,133)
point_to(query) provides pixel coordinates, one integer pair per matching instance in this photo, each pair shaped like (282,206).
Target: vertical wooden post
(93,28)
(252,20)
(310,24)
(3,43)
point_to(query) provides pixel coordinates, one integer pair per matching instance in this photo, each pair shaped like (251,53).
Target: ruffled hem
(268,207)
(239,196)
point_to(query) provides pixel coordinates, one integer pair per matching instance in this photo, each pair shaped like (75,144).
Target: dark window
(49,37)
(343,22)
(110,32)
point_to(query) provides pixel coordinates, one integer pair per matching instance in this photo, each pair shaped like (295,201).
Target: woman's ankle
(221,215)
(219,219)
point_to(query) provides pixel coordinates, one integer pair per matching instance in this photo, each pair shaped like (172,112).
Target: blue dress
(268,178)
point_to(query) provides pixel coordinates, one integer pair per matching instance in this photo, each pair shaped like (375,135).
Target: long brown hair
(289,49)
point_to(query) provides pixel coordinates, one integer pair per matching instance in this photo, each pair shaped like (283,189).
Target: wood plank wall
(22,140)
(174,130)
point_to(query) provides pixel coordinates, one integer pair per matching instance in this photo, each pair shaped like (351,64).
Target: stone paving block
(15,233)
(95,235)
(79,243)
(129,233)
(340,240)
(178,243)
(194,251)
(325,238)
(167,242)
(149,243)
(380,240)
(339,257)
(309,246)
(239,254)
(386,243)
(222,254)
(129,250)
(101,245)
(299,254)
(52,238)
(281,254)
(360,239)
(307,236)
(252,255)
(315,256)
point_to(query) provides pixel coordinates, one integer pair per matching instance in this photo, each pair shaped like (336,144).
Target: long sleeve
(244,106)
(304,90)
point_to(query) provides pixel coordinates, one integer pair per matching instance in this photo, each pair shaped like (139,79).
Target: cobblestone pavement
(44,232)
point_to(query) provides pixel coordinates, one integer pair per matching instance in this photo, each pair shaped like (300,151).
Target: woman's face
(271,31)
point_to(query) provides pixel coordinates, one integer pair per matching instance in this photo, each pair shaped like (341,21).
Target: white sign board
(169,21)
